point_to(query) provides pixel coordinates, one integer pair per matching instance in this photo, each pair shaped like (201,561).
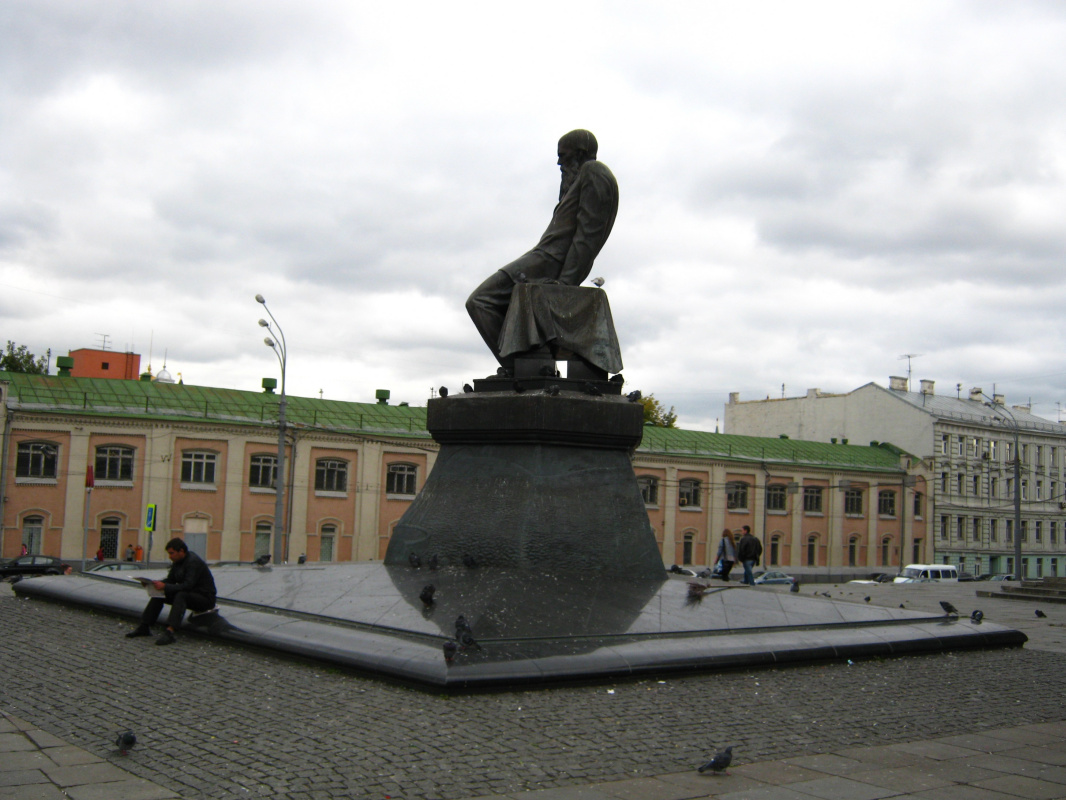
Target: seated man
(580,225)
(188,584)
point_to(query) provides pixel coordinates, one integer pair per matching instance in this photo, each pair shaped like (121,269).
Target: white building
(970,443)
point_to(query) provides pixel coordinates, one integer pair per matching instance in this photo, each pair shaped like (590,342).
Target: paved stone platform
(220,721)
(534,628)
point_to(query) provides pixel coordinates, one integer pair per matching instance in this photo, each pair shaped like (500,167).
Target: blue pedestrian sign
(149,518)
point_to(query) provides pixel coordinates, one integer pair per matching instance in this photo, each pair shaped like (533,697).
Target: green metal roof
(678,442)
(186,403)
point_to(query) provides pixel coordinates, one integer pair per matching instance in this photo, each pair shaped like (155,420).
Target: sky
(809,191)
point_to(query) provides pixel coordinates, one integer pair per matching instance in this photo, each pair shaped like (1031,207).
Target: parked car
(115,566)
(774,577)
(1001,578)
(965,577)
(30,565)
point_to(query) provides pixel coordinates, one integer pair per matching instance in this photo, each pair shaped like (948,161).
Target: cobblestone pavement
(218,721)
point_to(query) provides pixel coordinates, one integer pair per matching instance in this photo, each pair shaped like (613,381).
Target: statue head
(579,142)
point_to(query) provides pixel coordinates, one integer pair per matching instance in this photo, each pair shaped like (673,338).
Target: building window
(1053,532)
(991,449)
(958,483)
(263,533)
(33,534)
(975,486)
(1040,568)
(1025,531)
(886,503)
(649,489)
(109,532)
(1025,488)
(1024,451)
(944,482)
(1038,532)
(36,460)
(945,526)
(853,501)
(1010,488)
(993,488)
(993,530)
(918,501)
(916,553)
(977,529)
(263,472)
(686,549)
(198,467)
(945,444)
(331,475)
(775,551)
(736,495)
(961,441)
(114,463)
(812,499)
(1010,531)
(327,541)
(1039,490)
(853,551)
(960,531)
(401,479)
(688,493)
(812,551)
(776,497)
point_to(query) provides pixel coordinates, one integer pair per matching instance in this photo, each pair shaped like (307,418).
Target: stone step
(1016,593)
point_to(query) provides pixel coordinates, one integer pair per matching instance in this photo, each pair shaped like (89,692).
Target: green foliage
(18,358)
(656,413)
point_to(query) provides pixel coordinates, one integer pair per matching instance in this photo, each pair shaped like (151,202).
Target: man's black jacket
(190,574)
(749,548)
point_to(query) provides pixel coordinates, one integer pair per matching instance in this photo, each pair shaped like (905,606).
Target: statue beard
(570,173)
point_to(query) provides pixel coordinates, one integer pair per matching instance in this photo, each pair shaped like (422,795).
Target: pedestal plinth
(532,481)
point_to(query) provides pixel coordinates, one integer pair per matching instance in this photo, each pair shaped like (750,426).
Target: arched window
(401,479)
(36,460)
(812,551)
(327,542)
(649,489)
(686,552)
(331,475)
(264,532)
(114,463)
(263,471)
(853,551)
(109,533)
(886,551)
(33,533)
(775,550)
(736,495)
(688,493)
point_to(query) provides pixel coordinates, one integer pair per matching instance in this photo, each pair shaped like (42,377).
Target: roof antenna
(909,356)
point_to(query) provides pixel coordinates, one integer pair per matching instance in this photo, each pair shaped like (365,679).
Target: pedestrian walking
(749,550)
(727,553)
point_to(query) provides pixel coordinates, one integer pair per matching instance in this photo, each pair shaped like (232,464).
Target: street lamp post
(1017,487)
(278,346)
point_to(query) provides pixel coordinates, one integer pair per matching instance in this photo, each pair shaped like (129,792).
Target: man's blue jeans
(749,578)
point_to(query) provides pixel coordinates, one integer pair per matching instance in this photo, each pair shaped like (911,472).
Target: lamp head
(264,324)
(259,299)
(268,342)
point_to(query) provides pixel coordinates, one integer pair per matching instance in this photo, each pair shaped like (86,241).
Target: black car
(30,565)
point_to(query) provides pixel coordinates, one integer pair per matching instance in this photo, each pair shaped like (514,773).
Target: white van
(918,573)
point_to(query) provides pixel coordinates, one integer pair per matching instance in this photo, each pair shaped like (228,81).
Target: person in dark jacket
(749,549)
(188,585)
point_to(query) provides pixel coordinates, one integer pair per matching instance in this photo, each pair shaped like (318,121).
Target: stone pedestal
(533,481)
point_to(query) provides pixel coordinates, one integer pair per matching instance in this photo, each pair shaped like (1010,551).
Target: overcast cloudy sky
(808,190)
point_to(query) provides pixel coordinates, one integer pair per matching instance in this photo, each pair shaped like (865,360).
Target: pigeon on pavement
(125,742)
(1040,613)
(426,596)
(263,560)
(414,560)
(718,764)
(450,649)
(949,608)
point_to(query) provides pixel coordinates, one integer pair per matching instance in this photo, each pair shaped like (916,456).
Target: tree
(18,358)
(656,413)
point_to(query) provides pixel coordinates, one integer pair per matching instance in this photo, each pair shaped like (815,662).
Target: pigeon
(467,388)
(592,389)
(1040,614)
(302,559)
(469,561)
(598,282)
(464,633)
(414,560)
(518,387)
(443,391)
(434,562)
(262,561)
(634,396)
(795,588)
(949,608)
(901,605)
(977,616)
(426,595)
(867,598)
(450,648)
(125,742)
(553,390)
(718,764)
